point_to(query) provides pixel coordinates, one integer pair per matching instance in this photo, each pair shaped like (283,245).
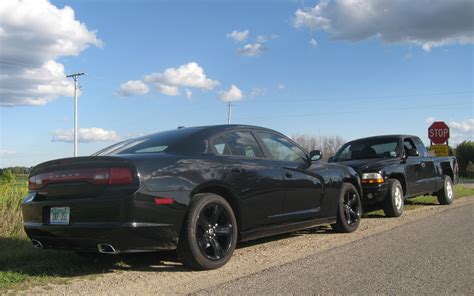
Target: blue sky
(346,85)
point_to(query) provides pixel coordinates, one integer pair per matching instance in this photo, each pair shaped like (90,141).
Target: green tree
(8,176)
(470,170)
(465,154)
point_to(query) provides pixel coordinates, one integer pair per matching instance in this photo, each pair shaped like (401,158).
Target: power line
(75,77)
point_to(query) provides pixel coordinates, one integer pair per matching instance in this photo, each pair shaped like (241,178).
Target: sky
(349,68)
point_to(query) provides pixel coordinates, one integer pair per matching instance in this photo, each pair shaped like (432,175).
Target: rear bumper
(374,193)
(128,222)
(124,237)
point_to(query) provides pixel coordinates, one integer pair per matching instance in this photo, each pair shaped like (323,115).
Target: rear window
(174,141)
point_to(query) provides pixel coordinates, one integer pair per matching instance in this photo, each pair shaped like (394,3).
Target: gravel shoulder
(161,274)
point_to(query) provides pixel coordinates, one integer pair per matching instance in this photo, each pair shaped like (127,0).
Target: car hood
(373,164)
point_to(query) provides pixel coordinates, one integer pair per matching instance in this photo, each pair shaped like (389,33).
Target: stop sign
(438,132)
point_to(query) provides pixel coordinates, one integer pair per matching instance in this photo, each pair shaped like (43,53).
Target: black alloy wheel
(209,234)
(349,210)
(214,233)
(352,207)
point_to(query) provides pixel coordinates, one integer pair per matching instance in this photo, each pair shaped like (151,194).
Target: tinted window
(369,148)
(184,140)
(221,146)
(408,144)
(421,147)
(282,149)
(242,144)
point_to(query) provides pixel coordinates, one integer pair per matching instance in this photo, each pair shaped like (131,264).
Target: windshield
(369,148)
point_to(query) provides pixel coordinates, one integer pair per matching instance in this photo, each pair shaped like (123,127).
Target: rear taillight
(112,176)
(120,176)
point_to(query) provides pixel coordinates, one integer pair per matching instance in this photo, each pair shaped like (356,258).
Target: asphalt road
(433,255)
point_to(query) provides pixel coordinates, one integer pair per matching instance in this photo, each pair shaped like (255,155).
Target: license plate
(59,216)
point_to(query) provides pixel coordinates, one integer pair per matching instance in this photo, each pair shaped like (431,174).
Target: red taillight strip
(99,176)
(120,176)
(163,201)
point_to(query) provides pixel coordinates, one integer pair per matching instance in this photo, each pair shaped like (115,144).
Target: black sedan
(199,190)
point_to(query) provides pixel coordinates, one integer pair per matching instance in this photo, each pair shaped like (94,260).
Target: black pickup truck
(396,167)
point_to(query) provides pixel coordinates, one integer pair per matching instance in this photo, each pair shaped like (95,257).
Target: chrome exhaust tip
(37,244)
(106,249)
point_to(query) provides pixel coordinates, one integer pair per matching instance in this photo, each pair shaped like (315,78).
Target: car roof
(205,131)
(385,136)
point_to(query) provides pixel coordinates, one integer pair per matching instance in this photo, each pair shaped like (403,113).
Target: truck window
(369,148)
(421,147)
(408,144)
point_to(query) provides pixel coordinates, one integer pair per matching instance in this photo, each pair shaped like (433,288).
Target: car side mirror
(411,152)
(315,155)
(331,159)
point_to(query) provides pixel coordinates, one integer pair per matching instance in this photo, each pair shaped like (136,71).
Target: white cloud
(430,120)
(466,126)
(187,75)
(251,50)
(133,88)
(231,95)
(169,82)
(258,92)
(169,90)
(265,38)
(238,36)
(93,134)
(33,35)
(281,86)
(188,93)
(313,42)
(424,23)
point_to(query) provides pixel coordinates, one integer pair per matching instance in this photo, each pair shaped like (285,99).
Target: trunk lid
(82,177)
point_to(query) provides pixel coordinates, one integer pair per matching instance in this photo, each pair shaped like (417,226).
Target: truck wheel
(446,194)
(349,209)
(209,233)
(393,204)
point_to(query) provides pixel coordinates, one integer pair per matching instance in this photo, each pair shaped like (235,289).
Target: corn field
(11,195)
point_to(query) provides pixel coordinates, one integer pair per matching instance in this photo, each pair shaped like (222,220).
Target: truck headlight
(372,178)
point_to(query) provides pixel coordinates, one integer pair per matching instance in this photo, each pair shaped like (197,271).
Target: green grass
(22,265)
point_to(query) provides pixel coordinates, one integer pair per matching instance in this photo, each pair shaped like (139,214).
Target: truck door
(417,170)
(427,163)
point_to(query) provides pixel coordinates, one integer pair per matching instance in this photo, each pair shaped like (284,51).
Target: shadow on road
(20,260)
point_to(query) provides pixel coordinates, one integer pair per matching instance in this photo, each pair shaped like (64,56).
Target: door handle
(288,175)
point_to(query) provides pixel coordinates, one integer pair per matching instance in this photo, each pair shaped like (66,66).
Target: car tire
(349,209)
(446,194)
(394,201)
(209,233)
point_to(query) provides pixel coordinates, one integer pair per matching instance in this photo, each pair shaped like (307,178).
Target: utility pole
(229,112)
(75,77)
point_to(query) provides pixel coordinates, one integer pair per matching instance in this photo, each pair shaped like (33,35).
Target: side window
(408,144)
(221,146)
(282,149)
(243,144)
(421,147)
